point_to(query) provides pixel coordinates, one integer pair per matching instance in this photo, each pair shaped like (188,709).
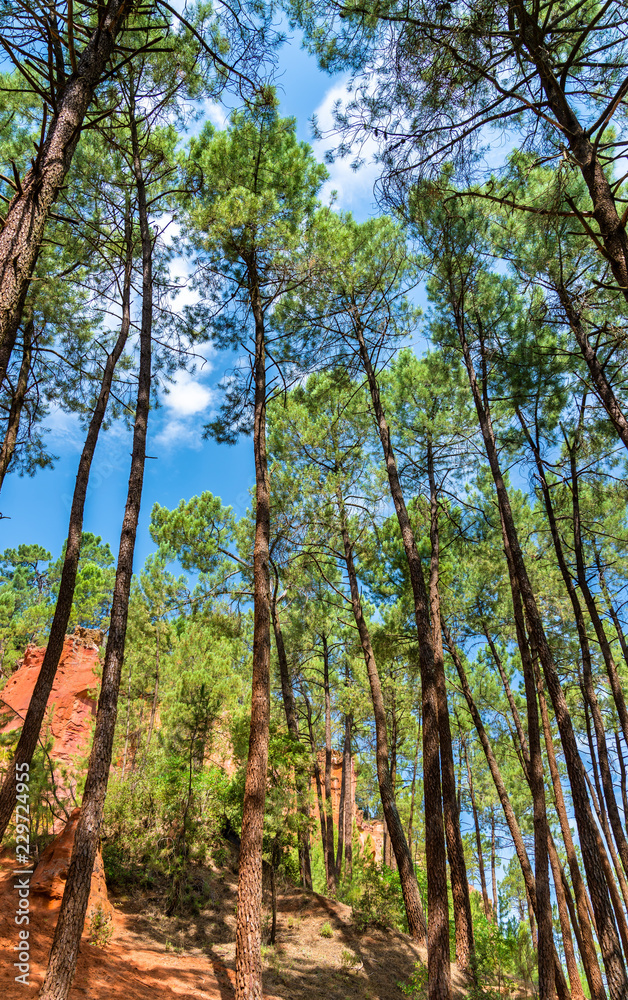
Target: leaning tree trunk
(604,916)
(407,874)
(439,978)
(65,946)
(249,917)
(43,685)
(463,921)
(603,388)
(23,230)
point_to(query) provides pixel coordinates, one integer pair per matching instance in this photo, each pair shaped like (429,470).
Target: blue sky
(37,510)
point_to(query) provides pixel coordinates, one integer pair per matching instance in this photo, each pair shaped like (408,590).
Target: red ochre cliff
(71,706)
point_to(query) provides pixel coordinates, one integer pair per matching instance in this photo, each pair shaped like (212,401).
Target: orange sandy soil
(152,956)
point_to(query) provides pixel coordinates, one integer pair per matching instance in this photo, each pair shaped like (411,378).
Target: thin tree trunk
(575,984)
(603,388)
(515,832)
(407,874)
(613,613)
(248,923)
(349,802)
(17,402)
(413,791)
(317,779)
(478,840)
(153,707)
(293,728)
(329,808)
(587,946)
(607,929)
(27,214)
(589,687)
(463,921)
(493,865)
(439,977)
(65,946)
(622,769)
(341,816)
(128,719)
(43,685)
(598,805)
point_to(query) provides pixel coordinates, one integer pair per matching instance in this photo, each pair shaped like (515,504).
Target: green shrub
(326,931)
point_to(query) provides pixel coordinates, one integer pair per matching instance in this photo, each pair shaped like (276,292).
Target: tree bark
(248,924)
(407,874)
(43,685)
(65,946)
(27,214)
(439,977)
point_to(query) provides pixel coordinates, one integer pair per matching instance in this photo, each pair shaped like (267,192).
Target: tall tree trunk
(349,800)
(575,984)
(413,791)
(317,779)
(478,840)
(515,832)
(248,925)
(537,789)
(17,401)
(463,921)
(155,701)
(589,687)
(27,214)
(607,929)
(407,874)
(65,946)
(128,719)
(341,817)
(622,771)
(598,805)
(330,865)
(494,866)
(587,944)
(293,728)
(439,980)
(43,685)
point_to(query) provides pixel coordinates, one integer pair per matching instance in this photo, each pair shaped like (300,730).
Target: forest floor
(153,956)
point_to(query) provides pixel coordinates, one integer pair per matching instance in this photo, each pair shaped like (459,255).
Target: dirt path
(151,956)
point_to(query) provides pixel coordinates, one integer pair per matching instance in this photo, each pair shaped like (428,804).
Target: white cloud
(354,187)
(188,396)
